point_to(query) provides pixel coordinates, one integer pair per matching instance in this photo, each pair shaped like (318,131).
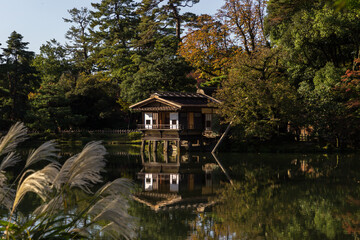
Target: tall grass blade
(10,160)
(16,135)
(108,207)
(118,186)
(7,195)
(38,182)
(84,169)
(48,151)
(50,207)
(113,209)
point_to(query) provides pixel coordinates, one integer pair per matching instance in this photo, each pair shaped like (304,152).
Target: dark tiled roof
(155,109)
(188,101)
(174,101)
(179,94)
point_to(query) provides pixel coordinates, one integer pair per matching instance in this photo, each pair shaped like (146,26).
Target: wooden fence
(107,131)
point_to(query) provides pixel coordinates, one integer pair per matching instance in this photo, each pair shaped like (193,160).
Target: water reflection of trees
(208,226)
(294,166)
(179,224)
(163,224)
(289,197)
(269,204)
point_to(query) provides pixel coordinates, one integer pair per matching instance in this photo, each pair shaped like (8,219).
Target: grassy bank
(229,145)
(79,139)
(280,146)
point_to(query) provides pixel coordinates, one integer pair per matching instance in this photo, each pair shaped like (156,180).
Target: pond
(274,196)
(239,196)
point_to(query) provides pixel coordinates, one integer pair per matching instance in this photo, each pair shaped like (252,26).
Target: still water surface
(274,196)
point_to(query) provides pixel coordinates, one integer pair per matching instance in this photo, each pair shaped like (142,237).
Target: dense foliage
(275,63)
(280,71)
(117,53)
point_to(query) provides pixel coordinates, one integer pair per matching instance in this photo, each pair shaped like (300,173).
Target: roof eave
(154,97)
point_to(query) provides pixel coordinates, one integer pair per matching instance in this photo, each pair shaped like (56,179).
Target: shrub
(134,136)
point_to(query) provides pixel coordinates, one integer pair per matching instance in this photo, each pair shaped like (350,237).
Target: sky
(39,21)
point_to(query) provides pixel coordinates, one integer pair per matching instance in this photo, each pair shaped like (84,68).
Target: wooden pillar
(154,156)
(178,147)
(166,153)
(142,157)
(149,146)
(142,146)
(166,157)
(166,145)
(155,146)
(178,158)
(189,145)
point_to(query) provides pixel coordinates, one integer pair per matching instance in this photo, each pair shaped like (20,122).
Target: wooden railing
(107,131)
(160,126)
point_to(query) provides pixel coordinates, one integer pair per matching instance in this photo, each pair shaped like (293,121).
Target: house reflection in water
(174,181)
(152,181)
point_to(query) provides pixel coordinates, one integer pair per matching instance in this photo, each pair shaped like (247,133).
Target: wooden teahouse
(181,118)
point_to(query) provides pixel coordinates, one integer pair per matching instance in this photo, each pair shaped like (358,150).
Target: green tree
(347,95)
(319,40)
(52,61)
(325,111)
(80,44)
(160,70)
(95,97)
(50,108)
(113,26)
(156,64)
(313,33)
(5,100)
(17,78)
(346,4)
(257,96)
(172,9)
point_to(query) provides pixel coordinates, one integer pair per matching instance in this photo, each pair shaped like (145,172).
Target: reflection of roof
(174,101)
(158,201)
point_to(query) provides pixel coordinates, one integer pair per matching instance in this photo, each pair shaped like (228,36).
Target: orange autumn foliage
(208,47)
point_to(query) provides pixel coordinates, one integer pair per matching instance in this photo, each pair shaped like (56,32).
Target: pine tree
(17,77)
(112,29)
(172,10)
(81,43)
(158,67)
